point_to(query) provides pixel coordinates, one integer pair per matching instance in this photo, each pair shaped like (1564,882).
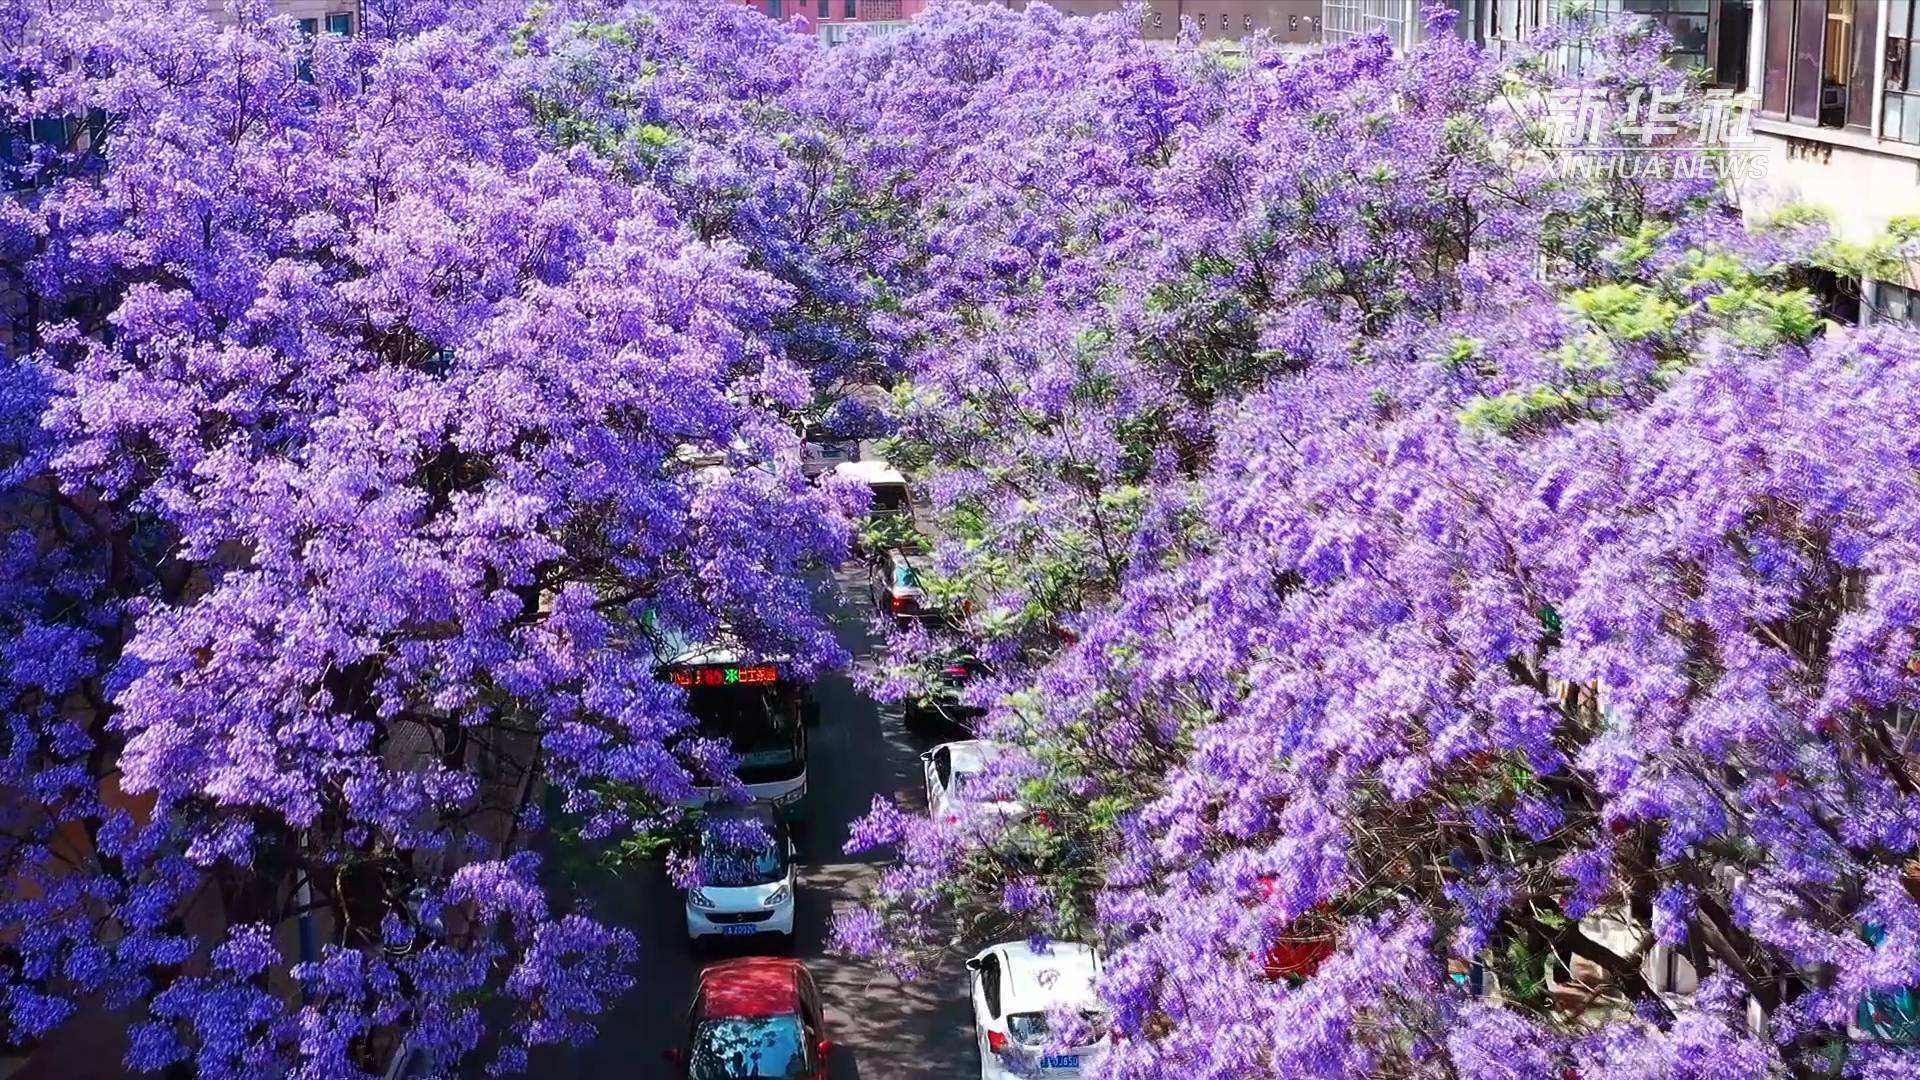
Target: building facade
(334,16)
(1838,118)
(833,20)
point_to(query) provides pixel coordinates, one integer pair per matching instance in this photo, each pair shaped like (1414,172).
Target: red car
(1297,955)
(755,1018)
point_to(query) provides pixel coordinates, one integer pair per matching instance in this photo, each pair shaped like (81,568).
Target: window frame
(1899,81)
(1794,84)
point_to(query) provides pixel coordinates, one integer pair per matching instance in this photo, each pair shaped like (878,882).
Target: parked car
(951,769)
(1014,987)
(755,1018)
(893,581)
(745,859)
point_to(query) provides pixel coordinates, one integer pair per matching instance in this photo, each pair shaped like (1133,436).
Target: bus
(761,709)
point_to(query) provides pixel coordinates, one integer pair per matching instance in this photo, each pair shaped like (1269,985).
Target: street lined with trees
(1428,609)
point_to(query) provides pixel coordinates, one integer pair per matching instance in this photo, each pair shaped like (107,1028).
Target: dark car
(755,1018)
(942,703)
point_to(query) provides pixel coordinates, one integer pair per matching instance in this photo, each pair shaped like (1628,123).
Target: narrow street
(885,1030)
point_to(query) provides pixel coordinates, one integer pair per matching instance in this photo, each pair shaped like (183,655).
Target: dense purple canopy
(1382,537)
(346,482)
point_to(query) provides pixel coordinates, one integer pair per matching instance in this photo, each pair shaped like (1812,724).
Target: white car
(1014,987)
(745,858)
(951,768)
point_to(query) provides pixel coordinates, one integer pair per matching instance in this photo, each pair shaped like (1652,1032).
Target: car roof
(971,755)
(1034,981)
(869,471)
(760,813)
(750,986)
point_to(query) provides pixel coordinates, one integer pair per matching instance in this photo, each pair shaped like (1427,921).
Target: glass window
(1836,63)
(1900,116)
(905,576)
(773,9)
(1730,27)
(888,499)
(1027,1029)
(340,23)
(770,1047)
(850,10)
(1819,66)
(759,722)
(736,852)
(990,984)
(1348,19)
(1685,20)
(1030,1029)
(1895,303)
(826,9)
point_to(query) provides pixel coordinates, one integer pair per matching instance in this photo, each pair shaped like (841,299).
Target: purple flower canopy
(1389,539)
(1382,542)
(343,450)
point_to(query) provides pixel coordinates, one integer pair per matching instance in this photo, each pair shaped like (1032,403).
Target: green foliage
(1511,410)
(1629,312)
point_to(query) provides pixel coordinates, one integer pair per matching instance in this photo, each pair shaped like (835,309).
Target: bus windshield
(761,722)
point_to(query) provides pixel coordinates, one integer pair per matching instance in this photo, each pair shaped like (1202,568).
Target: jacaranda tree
(1420,578)
(1406,558)
(346,442)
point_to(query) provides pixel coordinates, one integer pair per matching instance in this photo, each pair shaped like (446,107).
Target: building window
(1686,20)
(1900,115)
(849,9)
(826,9)
(773,9)
(1819,62)
(1349,19)
(1514,20)
(1729,27)
(1895,303)
(340,23)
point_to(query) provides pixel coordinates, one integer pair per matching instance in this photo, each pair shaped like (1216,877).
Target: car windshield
(905,576)
(889,499)
(738,852)
(752,1047)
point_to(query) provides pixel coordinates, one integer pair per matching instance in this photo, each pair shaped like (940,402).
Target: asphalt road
(884,1029)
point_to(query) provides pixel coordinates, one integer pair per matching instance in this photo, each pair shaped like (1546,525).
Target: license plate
(1060,1061)
(742,929)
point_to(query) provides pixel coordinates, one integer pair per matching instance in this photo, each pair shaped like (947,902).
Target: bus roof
(870,471)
